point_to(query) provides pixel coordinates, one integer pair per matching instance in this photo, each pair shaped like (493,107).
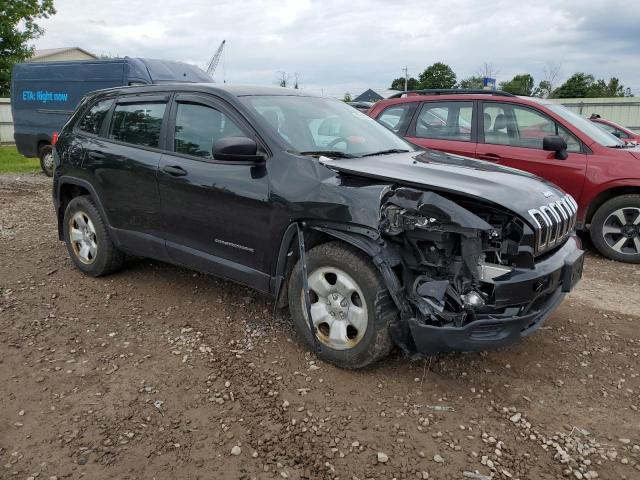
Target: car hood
(513,189)
(634,151)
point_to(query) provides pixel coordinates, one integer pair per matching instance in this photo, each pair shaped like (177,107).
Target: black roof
(368,96)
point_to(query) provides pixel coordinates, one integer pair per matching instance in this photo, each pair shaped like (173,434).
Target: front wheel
(351,308)
(615,229)
(46,159)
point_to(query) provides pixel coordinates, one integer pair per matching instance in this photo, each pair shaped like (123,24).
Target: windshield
(587,126)
(325,126)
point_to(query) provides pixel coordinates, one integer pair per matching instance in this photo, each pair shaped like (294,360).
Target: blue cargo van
(45,94)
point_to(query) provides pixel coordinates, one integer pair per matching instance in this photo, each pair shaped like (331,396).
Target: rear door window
(445,120)
(91,122)
(138,123)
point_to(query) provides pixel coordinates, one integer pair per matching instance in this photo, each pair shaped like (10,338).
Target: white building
(56,54)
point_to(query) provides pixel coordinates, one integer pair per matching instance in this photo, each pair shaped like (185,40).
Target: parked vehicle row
(623,133)
(370,241)
(598,169)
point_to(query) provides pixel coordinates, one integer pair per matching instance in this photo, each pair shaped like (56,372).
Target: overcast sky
(351,45)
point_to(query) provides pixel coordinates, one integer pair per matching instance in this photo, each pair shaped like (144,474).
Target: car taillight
(54,138)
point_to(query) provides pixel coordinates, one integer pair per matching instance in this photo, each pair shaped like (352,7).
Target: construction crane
(215,59)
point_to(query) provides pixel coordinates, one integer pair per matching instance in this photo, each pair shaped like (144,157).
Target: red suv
(617,130)
(599,170)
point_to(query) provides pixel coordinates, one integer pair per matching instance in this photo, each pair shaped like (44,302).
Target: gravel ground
(159,372)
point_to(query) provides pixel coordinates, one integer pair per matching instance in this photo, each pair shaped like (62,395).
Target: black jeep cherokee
(372,242)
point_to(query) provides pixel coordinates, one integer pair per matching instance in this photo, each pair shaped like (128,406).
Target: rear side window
(445,120)
(92,120)
(198,127)
(138,123)
(397,117)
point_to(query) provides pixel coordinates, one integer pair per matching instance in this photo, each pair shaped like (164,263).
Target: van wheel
(46,159)
(615,229)
(351,308)
(87,239)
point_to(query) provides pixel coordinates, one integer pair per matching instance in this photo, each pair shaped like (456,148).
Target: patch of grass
(12,162)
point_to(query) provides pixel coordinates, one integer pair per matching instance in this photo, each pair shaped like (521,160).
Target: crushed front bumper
(533,293)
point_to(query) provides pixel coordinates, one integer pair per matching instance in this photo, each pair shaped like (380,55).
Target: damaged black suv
(371,242)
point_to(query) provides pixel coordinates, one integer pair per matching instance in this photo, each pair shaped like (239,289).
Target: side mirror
(236,149)
(555,143)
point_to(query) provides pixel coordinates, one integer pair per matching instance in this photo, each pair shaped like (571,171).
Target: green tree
(543,90)
(577,85)
(398,84)
(17,28)
(347,97)
(583,85)
(519,85)
(438,75)
(612,88)
(474,81)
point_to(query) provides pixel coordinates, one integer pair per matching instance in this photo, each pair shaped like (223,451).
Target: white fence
(622,110)
(6,121)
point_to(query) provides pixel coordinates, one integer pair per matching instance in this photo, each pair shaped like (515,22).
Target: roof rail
(453,91)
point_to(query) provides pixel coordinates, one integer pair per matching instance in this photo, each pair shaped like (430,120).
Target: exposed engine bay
(448,253)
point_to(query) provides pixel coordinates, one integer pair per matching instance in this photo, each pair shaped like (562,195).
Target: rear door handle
(492,157)
(175,170)
(96,155)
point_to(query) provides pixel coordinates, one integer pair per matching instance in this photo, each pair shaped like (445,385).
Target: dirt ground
(160,372)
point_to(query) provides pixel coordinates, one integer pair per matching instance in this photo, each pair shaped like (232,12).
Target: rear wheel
(615,229)
(350,306)
(46,159)
(87,239)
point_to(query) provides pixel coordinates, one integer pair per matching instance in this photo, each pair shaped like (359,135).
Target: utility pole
(406,77)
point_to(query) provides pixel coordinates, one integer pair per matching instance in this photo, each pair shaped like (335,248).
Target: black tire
(601,217)
(46,159)
(376,341)
(107,258)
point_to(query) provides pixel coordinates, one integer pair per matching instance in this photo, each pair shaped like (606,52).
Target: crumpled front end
(468,277)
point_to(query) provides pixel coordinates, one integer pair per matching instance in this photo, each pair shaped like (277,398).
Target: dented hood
(514,189)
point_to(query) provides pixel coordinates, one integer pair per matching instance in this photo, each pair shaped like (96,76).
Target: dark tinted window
(92,120)
(138,123)
(197,127)
(445,120)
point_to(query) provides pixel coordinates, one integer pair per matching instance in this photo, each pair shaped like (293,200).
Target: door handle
(175,170)
(492,157)
(96,155)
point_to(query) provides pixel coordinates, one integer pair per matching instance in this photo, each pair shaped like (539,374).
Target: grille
(554,222)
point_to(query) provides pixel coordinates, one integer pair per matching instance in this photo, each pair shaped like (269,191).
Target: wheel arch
(316,234)
(628,187)
(69,188)
(41,144)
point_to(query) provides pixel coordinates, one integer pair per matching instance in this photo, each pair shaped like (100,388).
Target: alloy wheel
(621,230)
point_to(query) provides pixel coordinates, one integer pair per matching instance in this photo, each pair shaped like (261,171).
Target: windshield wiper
(328,153)
(386,152)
